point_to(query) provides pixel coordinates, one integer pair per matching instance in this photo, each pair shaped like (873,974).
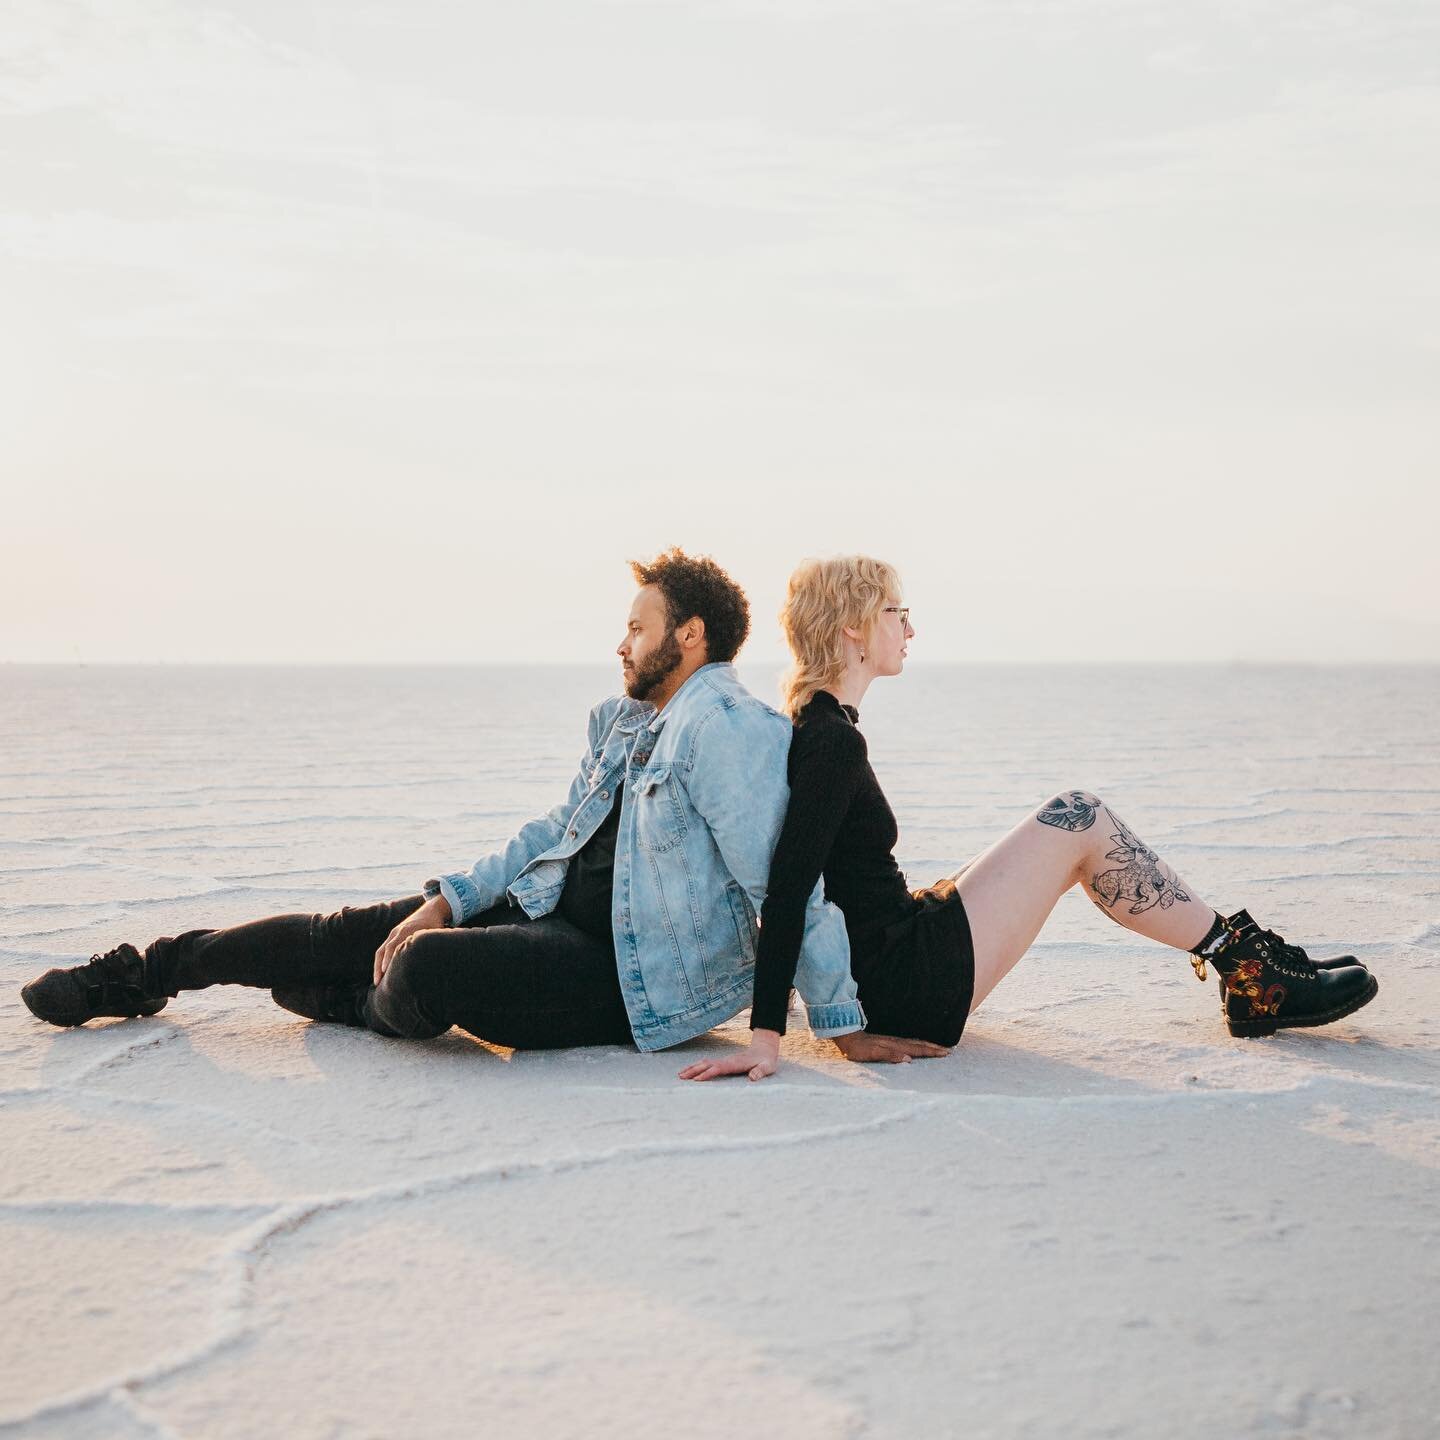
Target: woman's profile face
(890,637)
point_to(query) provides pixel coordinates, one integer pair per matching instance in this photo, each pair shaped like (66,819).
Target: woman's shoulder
(825,730)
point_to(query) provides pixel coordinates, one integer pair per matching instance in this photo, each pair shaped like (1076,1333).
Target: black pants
(531,984)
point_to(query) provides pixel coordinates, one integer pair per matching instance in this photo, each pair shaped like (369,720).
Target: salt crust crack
(290,1215)
(228,1118)
(124,1400)
(152,1039)
(244,1257)
(274,1222)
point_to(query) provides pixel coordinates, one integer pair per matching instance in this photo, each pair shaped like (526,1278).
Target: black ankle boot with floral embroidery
(1267,985)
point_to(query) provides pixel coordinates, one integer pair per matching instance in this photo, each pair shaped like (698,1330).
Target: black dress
(910,953)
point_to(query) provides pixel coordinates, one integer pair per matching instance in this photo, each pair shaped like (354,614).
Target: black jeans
(531,984)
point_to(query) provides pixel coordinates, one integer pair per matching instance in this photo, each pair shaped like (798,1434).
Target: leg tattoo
(1073,811)
(1142,877)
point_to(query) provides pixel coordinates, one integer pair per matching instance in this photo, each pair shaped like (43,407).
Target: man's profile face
(649,653)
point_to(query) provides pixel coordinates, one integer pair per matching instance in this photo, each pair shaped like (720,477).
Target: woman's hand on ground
(761,1057)
(886,1049)
(434,914)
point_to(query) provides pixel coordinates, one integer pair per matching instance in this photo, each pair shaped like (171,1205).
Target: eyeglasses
(903,611)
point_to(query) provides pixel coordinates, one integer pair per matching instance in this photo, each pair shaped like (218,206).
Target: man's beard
(644,679)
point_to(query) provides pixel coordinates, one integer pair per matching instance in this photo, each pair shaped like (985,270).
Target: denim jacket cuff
(828,1021)
(462,896)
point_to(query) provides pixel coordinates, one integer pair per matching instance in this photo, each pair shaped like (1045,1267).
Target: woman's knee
(1073,810)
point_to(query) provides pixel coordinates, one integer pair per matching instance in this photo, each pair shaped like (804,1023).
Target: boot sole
(71,1021)
(1256,1029)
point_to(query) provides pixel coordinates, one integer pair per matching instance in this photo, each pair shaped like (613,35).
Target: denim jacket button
(604,794)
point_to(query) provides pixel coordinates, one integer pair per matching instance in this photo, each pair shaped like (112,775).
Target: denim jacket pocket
(744,919)
(659,809)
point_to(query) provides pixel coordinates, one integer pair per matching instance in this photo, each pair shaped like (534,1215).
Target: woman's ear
(852,633)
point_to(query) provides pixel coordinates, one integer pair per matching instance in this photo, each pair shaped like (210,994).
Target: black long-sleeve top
(838,824)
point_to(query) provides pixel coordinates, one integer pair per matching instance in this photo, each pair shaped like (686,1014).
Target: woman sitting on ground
(924,961)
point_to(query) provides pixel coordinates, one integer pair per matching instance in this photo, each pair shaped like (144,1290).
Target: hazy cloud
(977,285)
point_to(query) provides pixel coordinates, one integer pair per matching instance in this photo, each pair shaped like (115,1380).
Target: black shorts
(916,977)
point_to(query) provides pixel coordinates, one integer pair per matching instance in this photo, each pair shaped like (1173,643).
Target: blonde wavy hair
(823,597)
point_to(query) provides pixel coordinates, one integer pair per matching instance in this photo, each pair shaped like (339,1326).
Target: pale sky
(388,331)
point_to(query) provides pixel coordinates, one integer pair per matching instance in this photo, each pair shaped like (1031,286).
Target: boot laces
(1288,959)
(108,974)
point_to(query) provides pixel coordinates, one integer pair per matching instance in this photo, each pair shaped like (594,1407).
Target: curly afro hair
(694,585)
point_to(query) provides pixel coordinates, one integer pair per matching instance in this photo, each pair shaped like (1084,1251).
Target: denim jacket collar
(654,720)
(634,717)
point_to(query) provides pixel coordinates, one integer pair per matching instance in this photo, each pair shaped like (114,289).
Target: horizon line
(1234,662)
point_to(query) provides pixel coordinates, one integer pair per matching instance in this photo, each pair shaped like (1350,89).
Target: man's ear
(692,633)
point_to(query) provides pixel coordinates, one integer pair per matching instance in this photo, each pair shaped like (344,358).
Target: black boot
(115,983)
(1339,963)
(1267,985)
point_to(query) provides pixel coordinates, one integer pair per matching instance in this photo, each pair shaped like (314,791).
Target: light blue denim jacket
(704,798)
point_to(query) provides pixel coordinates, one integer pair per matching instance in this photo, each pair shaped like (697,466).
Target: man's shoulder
(717,694)
(715,720)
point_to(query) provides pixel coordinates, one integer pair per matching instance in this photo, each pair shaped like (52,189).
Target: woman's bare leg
(1074,839)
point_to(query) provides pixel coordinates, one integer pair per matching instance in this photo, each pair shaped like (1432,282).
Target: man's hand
(761,1057)
(434,914)
(886,1049)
